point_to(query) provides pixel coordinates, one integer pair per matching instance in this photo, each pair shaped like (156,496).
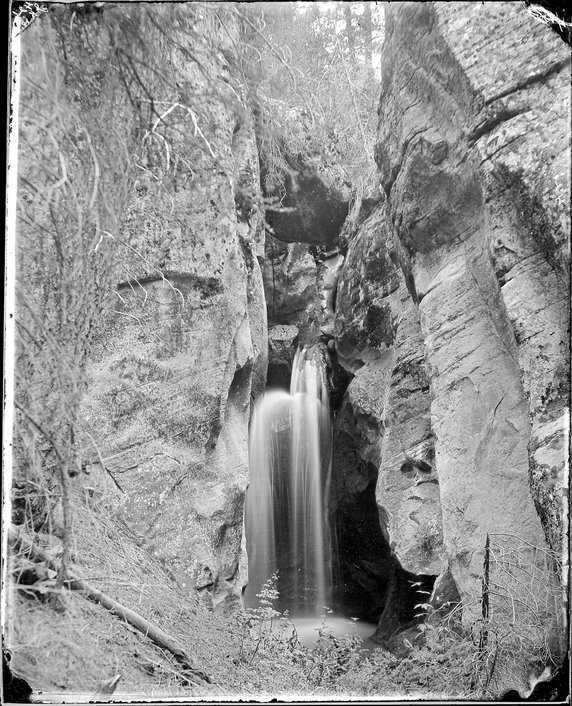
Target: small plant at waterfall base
(271,637)
(258,623)
(332,657)
(267,596)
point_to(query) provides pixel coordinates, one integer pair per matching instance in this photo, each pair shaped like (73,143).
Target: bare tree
(367,30)
(350,31)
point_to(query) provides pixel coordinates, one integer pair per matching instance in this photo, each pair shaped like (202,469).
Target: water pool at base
(308,629)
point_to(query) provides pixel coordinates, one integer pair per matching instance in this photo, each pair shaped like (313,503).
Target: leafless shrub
(95,114)
(463,651)
(524,624)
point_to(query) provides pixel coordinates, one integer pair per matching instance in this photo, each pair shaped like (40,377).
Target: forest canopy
(317,64)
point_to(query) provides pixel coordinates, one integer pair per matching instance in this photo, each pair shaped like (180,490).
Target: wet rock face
(314,207)
(282,345)
(185,354)
(468,304)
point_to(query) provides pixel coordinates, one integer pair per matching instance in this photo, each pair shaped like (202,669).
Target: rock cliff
(175,371)
(452,302)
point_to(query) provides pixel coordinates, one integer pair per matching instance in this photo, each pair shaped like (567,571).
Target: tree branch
(20,542)
(102,464)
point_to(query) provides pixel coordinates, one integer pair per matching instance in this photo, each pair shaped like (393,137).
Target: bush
(314,89)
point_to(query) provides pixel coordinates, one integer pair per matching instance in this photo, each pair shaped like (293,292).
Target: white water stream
(286,515)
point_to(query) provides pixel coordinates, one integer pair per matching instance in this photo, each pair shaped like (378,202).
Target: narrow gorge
(180,233)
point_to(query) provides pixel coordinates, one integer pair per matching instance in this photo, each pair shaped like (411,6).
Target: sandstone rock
(362,324)
(520,131)
(290,278)
(455,124)
(282,344)
(384,416)
(378,336)
(180,361)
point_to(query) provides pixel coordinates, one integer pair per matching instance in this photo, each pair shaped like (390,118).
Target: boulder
(282,344)
(290,284)
(312,202)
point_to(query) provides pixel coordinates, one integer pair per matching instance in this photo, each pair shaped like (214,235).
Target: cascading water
(286,506)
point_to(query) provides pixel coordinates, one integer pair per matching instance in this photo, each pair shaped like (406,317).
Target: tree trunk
(350,31)
(367,34)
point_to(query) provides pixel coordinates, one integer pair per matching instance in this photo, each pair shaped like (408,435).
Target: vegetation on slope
(313,77)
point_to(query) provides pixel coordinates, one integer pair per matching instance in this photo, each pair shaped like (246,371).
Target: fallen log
(20,542)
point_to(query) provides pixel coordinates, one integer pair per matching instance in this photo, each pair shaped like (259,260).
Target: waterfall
(286,505)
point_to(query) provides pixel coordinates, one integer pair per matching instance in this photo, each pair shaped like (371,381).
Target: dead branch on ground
(20,542)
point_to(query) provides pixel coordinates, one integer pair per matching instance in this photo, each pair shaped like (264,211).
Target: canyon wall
(452,305)
(444,304)
(184,354)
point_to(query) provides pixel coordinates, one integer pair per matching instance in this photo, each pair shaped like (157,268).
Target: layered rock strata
(452,304)
(185,352)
